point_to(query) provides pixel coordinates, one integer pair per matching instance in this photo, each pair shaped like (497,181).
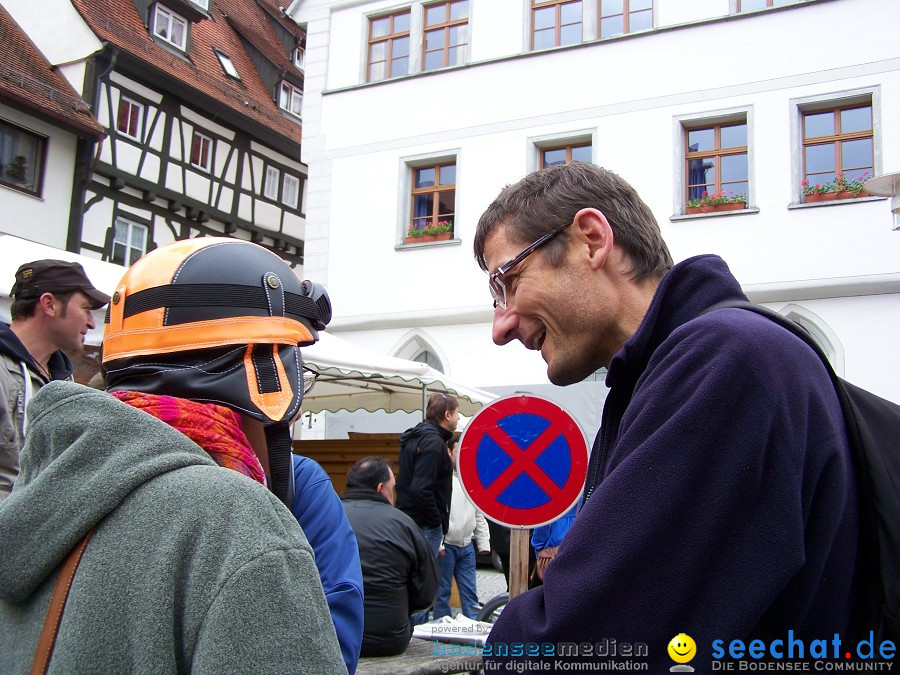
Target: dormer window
(170,27)
(299,55)
(202,4)
(227,65)
(290,98)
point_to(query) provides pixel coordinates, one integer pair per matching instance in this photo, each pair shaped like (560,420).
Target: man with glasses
(719,500)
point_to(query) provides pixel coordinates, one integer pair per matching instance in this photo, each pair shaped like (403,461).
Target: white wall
(630,94)
(43,219)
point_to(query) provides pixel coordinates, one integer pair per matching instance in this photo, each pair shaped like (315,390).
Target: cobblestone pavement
(489,582)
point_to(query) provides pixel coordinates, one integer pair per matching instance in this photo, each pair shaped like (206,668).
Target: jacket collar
(369,494)
(59,365)
(684,293)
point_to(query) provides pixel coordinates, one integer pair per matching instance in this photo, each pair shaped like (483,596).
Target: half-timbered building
(201,101)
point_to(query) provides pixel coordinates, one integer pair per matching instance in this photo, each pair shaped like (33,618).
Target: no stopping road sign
(523,461)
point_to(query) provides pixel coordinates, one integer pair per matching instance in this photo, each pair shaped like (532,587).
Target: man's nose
(90,320)
(506,323)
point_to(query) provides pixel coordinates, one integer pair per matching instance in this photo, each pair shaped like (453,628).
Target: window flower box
(715,208)
(716,202)
(420,235)
(421,239)
(833,196)
(839,188)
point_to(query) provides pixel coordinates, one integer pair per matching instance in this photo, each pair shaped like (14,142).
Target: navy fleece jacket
(720,499)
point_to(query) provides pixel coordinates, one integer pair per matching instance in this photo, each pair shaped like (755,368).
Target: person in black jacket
(399,572)
(425,480)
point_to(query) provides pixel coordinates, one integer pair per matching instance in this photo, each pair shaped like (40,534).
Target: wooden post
(519,541)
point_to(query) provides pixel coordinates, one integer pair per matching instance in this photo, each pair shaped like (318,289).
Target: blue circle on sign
(555,461)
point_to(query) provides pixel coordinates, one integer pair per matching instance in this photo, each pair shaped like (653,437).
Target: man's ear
(594,231)
(45,302)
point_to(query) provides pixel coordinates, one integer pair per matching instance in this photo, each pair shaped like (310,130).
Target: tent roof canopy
(355,378)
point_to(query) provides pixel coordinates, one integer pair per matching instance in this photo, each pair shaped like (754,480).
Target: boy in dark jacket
(424,482)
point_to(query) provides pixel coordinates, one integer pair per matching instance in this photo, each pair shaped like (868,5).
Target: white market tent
(355,378)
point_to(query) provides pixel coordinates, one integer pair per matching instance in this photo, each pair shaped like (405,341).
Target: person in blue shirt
(321,514)
(545,541)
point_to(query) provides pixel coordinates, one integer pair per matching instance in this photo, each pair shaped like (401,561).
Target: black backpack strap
(873,517)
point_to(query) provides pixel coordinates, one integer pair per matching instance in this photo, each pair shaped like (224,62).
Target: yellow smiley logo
(682,648)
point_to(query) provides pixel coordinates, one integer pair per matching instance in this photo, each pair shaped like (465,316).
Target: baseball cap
(54,276)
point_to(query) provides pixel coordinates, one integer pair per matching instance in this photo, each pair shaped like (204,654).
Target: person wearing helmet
(176,484)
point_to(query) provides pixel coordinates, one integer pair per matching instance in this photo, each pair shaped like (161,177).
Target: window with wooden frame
(22,159)
(201,151)
(290,192)
(625,16)
(446,34)
(171,27)
(129,242)
(433,196)
(290,98)
(555,23)
(388,52)
(128,118)
(837,141)
(716,162)
(271,183)
(753,5)
(564,154)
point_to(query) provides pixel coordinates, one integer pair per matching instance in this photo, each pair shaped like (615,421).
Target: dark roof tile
(28,78)
(118,22)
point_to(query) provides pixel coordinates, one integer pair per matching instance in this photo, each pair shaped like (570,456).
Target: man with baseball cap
(51,312)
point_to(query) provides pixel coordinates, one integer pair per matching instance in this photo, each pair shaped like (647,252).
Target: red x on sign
(523,461)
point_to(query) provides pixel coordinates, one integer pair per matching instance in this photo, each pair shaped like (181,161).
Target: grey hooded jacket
(191,567)
(15,392)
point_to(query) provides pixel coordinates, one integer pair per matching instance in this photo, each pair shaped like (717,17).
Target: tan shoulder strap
(57,604)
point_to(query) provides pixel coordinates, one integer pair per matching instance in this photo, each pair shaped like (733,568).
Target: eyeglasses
(495,281)
(309,379)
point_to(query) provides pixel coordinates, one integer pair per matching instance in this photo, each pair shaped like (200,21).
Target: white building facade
(419,112)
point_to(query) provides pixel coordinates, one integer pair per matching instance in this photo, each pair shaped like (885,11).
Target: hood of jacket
(423,429)
(686,290)
(86,452)
(59,365)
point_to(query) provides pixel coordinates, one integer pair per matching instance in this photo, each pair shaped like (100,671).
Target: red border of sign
(484,422)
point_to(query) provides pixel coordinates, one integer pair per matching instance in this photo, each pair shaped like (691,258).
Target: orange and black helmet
(222,321)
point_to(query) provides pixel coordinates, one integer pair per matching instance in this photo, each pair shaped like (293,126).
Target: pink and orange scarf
(213,427)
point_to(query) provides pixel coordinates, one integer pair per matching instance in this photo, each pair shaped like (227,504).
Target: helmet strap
(281,467)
